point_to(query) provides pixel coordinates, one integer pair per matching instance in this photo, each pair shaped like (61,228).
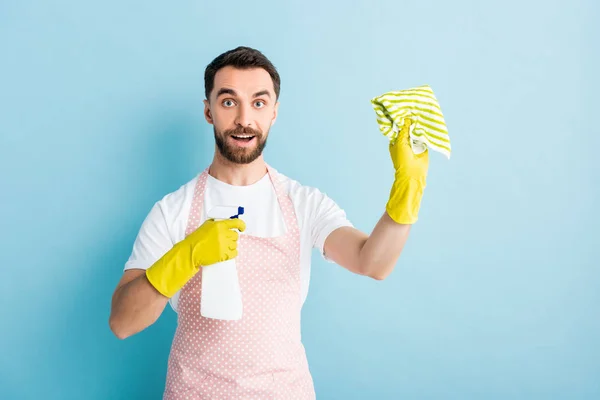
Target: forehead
(244,81)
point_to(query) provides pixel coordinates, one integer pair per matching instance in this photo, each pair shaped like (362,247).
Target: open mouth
(243,140)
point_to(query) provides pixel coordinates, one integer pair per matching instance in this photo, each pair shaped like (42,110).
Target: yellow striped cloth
(428,128)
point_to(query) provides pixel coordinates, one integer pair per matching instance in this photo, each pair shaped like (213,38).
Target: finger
(206,222)
(234,223)
(232,235)
(403,135)
(232,254)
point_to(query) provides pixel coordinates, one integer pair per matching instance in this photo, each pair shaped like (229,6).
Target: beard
(237,154)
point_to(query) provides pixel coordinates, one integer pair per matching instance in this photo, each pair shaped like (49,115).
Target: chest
(262,211)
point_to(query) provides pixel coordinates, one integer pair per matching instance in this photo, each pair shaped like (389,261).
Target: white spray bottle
(221,293)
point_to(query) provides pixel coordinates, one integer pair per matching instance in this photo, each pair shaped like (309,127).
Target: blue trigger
(240,212)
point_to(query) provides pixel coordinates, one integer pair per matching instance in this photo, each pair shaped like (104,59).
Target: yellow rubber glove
(213,242)
(409,183)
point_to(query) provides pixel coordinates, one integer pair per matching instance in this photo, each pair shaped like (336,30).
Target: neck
(237,174)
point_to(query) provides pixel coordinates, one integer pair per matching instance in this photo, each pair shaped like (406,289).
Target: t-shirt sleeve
(327,216)
(152,241)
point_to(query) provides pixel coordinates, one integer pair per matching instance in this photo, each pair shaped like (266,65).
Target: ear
(275,111)
(207,113)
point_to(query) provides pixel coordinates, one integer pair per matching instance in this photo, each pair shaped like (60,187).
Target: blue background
(496,295)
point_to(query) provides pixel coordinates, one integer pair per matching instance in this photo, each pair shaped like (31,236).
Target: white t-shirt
(318,216)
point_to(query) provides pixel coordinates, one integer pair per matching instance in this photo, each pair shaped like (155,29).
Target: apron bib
(260,356)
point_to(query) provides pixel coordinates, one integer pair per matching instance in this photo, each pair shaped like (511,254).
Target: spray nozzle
(240,212)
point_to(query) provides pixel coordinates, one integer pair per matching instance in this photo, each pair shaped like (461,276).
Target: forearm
(382,249)
(135,306)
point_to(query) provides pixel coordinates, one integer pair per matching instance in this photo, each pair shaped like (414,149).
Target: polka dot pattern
(260,356)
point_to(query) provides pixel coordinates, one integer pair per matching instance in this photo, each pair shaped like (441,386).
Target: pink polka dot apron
(260,356)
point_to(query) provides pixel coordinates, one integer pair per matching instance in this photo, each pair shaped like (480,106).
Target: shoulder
(176,199)
(175,207)
(319,215)
(299,192)
(311,203)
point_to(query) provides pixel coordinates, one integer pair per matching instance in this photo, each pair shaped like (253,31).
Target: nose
(244,116)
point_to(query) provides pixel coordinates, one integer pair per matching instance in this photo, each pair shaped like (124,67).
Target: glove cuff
(405,199)
(172,271)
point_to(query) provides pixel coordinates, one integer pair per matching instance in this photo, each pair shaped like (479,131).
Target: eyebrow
(233,93)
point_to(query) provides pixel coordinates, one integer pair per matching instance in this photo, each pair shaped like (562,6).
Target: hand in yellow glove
(409,183)
(213,242)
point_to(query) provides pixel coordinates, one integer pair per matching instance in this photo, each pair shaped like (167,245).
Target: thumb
(403,135)
(234,223)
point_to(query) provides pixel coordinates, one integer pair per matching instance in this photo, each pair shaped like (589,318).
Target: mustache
(240,130)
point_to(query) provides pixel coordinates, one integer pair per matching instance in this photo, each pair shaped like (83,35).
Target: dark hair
(243,58)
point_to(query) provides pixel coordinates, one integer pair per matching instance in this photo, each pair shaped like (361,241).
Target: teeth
(244,137)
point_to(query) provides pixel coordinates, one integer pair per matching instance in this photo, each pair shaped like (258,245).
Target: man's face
(242,109)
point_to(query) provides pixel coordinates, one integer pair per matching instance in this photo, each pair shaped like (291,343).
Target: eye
(227,101)
(260,101)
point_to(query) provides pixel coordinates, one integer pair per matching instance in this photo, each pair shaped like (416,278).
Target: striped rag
(427,129)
